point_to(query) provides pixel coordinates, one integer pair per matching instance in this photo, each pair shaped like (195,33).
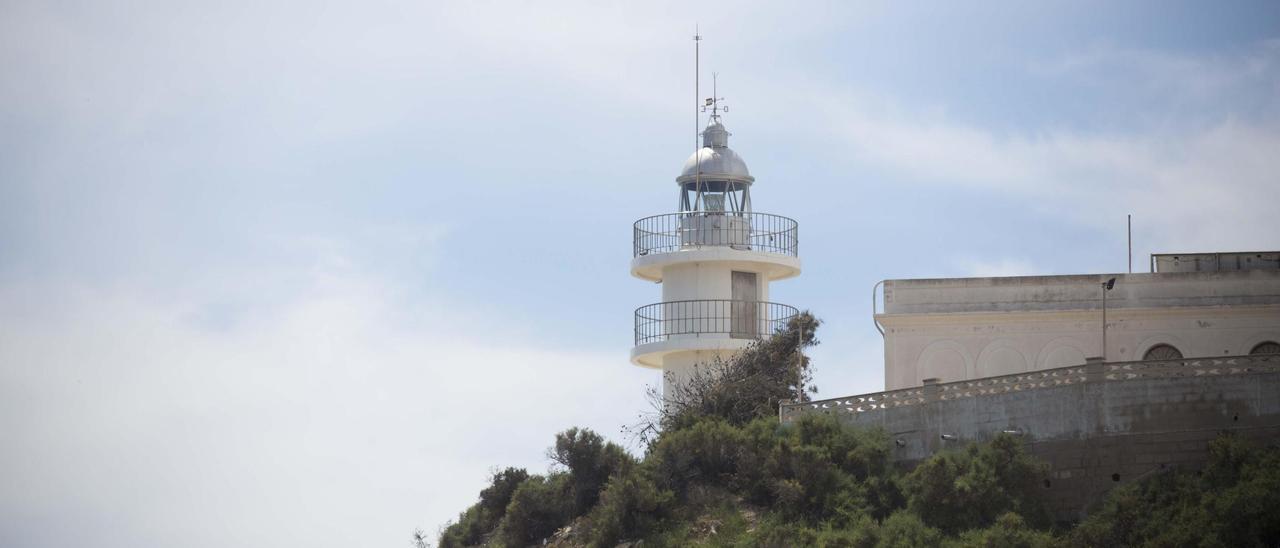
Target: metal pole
(697,120)
(1104,321)
(1130,224)
(799,359)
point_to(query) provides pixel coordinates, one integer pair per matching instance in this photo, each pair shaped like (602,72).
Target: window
(1162,352)
(1269,347)
(714,202)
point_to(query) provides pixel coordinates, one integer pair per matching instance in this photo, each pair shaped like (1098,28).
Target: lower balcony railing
(737,319)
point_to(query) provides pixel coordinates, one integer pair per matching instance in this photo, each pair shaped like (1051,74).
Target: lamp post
(1106,286)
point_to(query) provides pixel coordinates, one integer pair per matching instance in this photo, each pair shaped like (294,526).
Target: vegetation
(719,470)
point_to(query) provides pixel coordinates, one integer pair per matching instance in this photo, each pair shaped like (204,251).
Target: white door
(745,308)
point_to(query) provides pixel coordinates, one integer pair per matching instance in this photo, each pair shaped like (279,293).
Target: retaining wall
(1097,426)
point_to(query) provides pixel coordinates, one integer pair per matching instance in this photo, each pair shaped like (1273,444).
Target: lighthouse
(714,257)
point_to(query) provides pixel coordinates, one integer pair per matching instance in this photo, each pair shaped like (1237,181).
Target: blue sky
(301,273)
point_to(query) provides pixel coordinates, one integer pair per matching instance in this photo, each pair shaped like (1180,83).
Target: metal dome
(715,159)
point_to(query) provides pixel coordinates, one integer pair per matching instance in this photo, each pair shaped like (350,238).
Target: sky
(304,273)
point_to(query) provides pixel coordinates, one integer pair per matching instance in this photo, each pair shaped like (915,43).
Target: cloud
(344,415)
(1191,185)
(1195,83)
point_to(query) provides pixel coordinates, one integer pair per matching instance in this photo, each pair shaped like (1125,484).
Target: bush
(539,507)
(631,506)
(481,518)
(816,469)
(1234,502)
(502,485)
(707,451)
(590,462)
(970,488)
(1009,531)
(906,530)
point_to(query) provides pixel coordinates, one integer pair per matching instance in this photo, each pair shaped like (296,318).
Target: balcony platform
(715,325)
(759,242)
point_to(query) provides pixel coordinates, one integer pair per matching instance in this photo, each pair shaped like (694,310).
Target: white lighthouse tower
(714,257)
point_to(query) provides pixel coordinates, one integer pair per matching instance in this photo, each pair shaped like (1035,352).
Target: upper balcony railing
(736,319)
(751,231)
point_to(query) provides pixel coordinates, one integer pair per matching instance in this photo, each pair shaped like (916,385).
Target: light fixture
(1106,286)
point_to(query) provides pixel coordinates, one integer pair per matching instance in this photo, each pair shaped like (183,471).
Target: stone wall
(1097,426)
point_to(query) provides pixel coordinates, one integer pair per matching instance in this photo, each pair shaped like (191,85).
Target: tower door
(744,309)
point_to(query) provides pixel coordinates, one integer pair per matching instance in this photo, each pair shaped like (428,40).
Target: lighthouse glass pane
(714,202)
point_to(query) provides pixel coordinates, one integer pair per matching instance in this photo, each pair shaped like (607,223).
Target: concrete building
(1192,350)
(715,257)
(1195,305)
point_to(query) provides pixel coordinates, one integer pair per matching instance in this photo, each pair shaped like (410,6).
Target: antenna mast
(697,118)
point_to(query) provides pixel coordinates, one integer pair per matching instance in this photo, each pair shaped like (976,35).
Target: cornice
(1058,316)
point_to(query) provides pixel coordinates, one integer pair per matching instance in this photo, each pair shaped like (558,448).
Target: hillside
(719,470)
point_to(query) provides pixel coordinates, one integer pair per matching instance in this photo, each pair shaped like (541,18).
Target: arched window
(1268,347)
(1162,352)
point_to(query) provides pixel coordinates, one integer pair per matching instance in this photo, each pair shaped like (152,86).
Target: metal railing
(1034,380)
(737,319)
(672,232)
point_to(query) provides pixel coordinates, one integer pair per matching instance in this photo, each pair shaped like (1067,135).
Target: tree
(749,385)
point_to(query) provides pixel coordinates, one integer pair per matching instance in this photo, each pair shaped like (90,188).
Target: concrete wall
(1081,292)
(968,328)
(690,281)
(1097,426)
(1201,262)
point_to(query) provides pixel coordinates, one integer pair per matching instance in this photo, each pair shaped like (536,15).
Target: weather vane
(713,102)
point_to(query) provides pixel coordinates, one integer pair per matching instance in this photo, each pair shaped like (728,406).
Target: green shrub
(1009,531)
(970,488)
(480,519)
(590,462)
(782,533)
(906,530)
(862,478)
(862,533)
(631,506)
(708,451)
(539,507)
(502,485)
(1234,502)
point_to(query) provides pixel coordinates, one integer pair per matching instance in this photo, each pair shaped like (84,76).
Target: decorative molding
(1036,380)
(936,347)
(984,357)
(1061,342)
(1162,338)
(1075,315)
